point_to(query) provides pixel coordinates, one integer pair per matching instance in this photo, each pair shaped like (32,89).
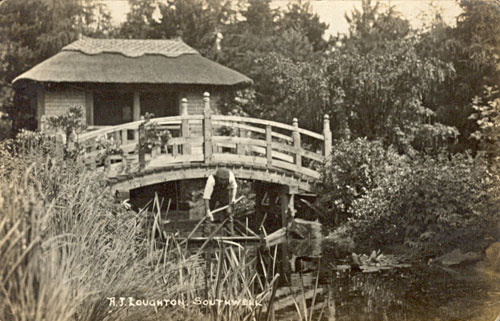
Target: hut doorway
(111,108)
(160,104)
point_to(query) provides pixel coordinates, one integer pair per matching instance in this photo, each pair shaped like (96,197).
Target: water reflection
(421,292)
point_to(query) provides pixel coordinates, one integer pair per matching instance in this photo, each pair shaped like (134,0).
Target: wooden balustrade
(223,139)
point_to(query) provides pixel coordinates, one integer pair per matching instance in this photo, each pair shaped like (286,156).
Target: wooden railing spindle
(175,150)
(240,148)
(269,147)
(124,168)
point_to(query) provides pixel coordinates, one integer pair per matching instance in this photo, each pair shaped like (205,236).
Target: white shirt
(209,186)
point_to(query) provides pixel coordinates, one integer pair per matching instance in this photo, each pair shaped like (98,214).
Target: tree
(371,27)
(294,89)
(281,52)
(259,17)
(251,37)
(33,30)
(198,22)
(139,23)
(299,17)
(471,47)
(384,80)
(383,92)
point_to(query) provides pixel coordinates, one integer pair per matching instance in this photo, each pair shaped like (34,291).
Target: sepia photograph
(250,160)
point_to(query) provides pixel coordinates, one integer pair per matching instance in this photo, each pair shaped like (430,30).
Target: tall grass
(67,250)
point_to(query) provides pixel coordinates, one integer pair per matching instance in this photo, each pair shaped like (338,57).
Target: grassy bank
(70,252)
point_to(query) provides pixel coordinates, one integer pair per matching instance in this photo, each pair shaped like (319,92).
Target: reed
(68,250)
(219,281)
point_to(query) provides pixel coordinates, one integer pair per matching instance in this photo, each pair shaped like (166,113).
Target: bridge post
(287,199)
(107,164)
(142,147)
(327,150)
(124,168)
(124,137)
(296,144)
(90,160)
(207,129)
(186,148)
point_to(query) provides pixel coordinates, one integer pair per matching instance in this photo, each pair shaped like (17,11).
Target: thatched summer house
(116,80)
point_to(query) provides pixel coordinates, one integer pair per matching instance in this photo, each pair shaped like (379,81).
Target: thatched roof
(132,61)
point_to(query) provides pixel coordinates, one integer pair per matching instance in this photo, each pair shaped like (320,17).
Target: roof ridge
(131,47)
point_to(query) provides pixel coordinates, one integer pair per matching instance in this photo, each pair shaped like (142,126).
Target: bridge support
(274,206)
(287,199)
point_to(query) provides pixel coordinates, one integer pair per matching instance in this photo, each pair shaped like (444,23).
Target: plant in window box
(107,147)
(153,138)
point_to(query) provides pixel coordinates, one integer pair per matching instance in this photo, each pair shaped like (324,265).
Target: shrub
(354,169)
(430,203)
(438,204)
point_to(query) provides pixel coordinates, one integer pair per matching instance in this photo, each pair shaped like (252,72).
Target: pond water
(419,292)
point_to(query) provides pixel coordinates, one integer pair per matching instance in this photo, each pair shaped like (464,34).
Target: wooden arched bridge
(142,153)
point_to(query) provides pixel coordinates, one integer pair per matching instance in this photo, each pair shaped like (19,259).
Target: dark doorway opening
(160,104)
(112,108)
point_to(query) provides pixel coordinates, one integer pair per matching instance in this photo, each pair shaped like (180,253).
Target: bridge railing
(208,139)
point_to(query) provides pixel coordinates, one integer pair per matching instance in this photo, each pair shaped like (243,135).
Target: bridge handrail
(175,120)
(197,139)
(268,122)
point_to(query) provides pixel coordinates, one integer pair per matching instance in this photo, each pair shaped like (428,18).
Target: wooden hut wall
(57,101)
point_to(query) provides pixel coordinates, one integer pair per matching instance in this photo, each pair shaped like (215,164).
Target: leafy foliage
(140,22)
(430,203)
(371,27)
(69,122)
(198,22)
(354,169)
(471,47)
(294,90)
(437,205)
(384,79)
(299,16)
(487,118)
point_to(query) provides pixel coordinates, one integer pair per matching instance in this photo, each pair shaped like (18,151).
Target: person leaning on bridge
(220,190)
